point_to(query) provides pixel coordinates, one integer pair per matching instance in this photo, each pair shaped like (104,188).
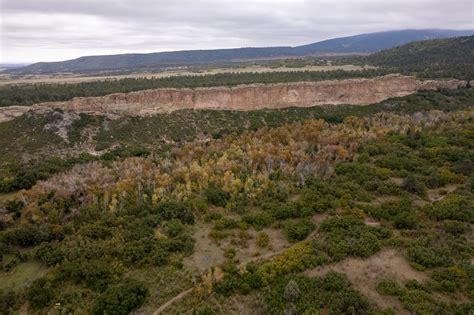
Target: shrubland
(98,224)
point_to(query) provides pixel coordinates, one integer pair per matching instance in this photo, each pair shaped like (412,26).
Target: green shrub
(330,294)
(383,188)
(95,274)
(282,211)
(349,236)
(8,302)
(389,287)
(258,219)
(312,201)
(49,253)
(121,299)
(406,221)
(413,185)
(427,256)
(173,228)
(361,173)
(175,210)
(298,230)
(295,259)
(455,227)
(216,196)
(453,207)
(400,212)
(95,231)
(450,279)
(225,223)
(29,235)
(40,293)
(262,239)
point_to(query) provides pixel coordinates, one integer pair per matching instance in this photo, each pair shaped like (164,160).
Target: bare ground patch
(365,274)
(277,243)
(206,252)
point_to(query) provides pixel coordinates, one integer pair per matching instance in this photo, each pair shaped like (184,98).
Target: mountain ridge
(359,44)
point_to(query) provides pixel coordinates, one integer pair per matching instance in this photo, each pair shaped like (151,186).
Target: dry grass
(7,79)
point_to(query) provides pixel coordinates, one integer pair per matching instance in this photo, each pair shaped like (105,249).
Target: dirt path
(185,293)
(173,300)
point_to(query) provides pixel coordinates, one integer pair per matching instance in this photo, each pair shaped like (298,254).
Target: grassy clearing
(22,275)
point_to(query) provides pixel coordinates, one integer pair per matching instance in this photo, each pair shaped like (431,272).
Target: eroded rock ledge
(251,97)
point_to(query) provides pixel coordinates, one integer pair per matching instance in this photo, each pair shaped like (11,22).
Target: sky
(53,30)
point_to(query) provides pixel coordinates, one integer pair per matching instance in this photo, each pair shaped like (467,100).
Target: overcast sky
(51,30)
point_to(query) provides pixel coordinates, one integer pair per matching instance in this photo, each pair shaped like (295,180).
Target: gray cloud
(32,30)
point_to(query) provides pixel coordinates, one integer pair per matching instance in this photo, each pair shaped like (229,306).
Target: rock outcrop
(255,96)
(11,112)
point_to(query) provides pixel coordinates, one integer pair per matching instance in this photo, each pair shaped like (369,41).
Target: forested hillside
(34,146)
(110,238)
(449,58)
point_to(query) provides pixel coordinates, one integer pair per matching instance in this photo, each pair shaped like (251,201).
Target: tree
(175,210)
(217,196)
(121,299)
(413,185)
(262,239)
(40,293)
(298,230)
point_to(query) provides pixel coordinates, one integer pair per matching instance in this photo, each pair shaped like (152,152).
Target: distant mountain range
(358,44)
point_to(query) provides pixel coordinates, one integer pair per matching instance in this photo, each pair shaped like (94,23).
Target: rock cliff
(255,96)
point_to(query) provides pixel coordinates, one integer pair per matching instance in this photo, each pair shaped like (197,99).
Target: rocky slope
(252,97)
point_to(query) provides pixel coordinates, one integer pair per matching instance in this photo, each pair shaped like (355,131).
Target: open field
(8,79)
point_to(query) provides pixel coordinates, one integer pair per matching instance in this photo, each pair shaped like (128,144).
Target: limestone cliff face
(251,97)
